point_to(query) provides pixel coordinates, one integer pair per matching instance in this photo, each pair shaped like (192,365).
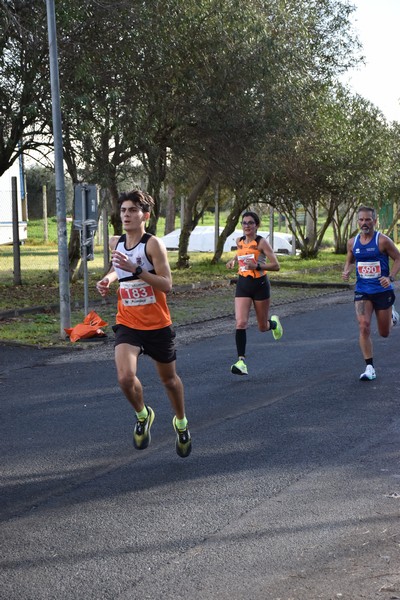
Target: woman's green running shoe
(278,331)
(239,368)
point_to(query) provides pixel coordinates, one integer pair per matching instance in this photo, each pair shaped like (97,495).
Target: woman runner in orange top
(254,257)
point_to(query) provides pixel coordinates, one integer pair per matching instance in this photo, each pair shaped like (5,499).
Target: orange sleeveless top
(140,306)
(248,250)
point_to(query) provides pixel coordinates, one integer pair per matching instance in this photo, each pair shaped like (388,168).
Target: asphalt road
(292,490)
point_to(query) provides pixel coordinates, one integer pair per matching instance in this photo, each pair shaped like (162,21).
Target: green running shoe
(239,368)
(141,433)
(183,444)
(278,332)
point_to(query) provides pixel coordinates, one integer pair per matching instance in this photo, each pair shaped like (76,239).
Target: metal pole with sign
(85,219)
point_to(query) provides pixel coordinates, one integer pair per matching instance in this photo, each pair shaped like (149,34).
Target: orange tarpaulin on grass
(90,327)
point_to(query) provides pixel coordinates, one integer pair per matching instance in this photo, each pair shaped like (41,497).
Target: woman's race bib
(136,293)
(369,270)
(241,261)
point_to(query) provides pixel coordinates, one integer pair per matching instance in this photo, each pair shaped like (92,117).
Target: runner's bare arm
(162,278)
(388,246)
(272,263)
(113,242)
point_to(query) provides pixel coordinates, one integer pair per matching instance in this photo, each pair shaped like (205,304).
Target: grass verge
(201,292)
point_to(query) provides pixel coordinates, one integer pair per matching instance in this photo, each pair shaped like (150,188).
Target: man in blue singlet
(369,251)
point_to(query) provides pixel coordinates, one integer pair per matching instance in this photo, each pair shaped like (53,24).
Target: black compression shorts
(252,287)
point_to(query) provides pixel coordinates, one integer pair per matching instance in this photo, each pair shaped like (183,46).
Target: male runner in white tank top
(143,322)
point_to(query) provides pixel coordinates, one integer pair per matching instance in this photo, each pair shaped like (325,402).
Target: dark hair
(141,199)
(367,209)
(253,215)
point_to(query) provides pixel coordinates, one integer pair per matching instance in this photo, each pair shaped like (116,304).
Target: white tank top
(137,255)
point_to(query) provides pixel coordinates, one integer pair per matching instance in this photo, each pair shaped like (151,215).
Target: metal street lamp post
(63,263)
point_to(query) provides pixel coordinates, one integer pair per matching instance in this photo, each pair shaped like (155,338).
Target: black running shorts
(380,301)
(252,287)
(159,344)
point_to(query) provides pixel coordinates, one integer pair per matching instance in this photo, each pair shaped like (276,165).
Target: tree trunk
(74,244)
(311,225)
(115,217)
(190,221)
(240,204)
(74,251)
(155,160)
(170,211)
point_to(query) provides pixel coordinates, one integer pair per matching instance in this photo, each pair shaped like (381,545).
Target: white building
(202,239)
(6,210)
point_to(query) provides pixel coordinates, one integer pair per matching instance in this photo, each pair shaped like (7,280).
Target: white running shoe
(369,374)
(395,316)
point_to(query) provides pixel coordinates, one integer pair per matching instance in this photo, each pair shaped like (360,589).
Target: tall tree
(24,78)
(334,163)
(249,100)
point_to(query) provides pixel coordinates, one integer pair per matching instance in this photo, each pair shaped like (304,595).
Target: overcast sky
(377,23)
